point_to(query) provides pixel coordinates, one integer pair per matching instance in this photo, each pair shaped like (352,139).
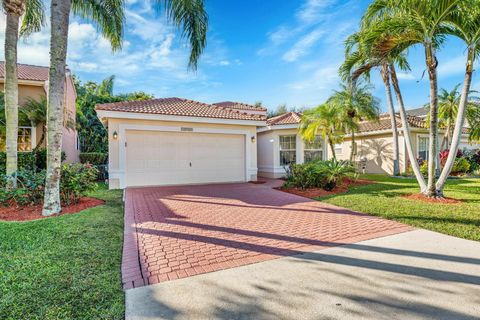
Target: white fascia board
(103,114)
(279,127)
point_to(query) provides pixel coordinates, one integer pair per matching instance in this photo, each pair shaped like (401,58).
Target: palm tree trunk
(332,147)
(459,122)
(406,130)
(352,148)
(11,98)
(60,10)
(393,119)
(431,62)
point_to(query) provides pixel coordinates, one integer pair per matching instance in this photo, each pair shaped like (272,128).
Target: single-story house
(280,144)
(177,141)
(33,84)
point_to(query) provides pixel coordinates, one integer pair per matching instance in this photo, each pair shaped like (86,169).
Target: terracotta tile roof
(27,72)
(179,107)
(238,105)
(384,124)
(286,118)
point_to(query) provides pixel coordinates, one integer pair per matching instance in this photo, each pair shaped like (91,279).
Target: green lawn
(383,199)
(65,267)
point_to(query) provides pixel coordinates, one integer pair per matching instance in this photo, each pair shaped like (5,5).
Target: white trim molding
(120,174)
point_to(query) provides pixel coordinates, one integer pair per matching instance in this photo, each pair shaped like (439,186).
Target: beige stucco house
(177,141)
(280,144)
(33,84)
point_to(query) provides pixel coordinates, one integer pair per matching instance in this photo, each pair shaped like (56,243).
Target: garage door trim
(123,128)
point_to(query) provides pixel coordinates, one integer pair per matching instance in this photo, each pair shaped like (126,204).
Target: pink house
(33,84)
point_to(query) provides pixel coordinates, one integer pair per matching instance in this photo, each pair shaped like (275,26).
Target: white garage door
(167,158)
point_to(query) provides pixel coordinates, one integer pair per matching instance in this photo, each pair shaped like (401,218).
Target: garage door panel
(165,158)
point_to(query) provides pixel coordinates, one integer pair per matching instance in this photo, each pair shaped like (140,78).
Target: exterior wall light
(115,135)
(253,139)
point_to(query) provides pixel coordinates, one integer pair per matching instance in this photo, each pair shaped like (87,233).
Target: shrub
(424,168)
(461,166)
(319,174)
(35,160)
(473,157)
(30,188)
(307,175)
(76,180)
(95,158)
(335,172)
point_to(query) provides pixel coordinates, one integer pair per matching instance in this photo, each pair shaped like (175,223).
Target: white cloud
(312,10)
(303,46)
(405,76)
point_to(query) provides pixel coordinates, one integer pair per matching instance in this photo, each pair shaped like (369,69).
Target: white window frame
(306,148)
(294,150)
(423,136)
(32,137)
(338,147)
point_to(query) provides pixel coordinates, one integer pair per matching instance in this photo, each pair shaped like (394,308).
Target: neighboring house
(279,145)
(33,84)
(176,141)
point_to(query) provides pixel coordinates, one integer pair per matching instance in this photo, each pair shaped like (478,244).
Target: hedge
(28,161)
(95,158)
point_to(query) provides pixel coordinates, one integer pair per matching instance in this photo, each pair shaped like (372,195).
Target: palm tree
(355,103)
(35,112)
(14,9)
(411,22)
(324,119)
(360,59)
(464,24)
(448,102)
(188,15)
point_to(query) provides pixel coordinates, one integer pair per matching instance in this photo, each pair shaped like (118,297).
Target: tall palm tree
(188,15)
(418,22)
(360,59)
(464,24)
(355,103)
(14,9)
(324,120)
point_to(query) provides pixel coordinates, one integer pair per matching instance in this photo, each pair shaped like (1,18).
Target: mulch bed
(258,182)
(34,212)
(319,192)
(421,197)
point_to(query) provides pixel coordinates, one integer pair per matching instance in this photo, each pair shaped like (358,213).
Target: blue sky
(259,50)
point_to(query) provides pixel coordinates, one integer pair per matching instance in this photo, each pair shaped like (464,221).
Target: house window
(288,147)
(338,148)
(313,150)
(423,148)
(24,140)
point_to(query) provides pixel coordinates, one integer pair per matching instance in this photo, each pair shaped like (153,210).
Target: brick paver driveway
(180,231)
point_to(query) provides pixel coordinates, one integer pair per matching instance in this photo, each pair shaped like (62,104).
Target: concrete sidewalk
(412,275)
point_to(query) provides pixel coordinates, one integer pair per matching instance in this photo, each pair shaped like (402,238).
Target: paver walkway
(179,231)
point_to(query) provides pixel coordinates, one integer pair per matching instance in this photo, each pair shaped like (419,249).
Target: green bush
(461,166)
(319,174)
(30,188)
(424,168)
(95,158)
(76,180)
(29,161)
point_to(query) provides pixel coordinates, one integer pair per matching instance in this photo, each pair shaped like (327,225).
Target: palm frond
(107,15)
(191,17)
(34,17)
